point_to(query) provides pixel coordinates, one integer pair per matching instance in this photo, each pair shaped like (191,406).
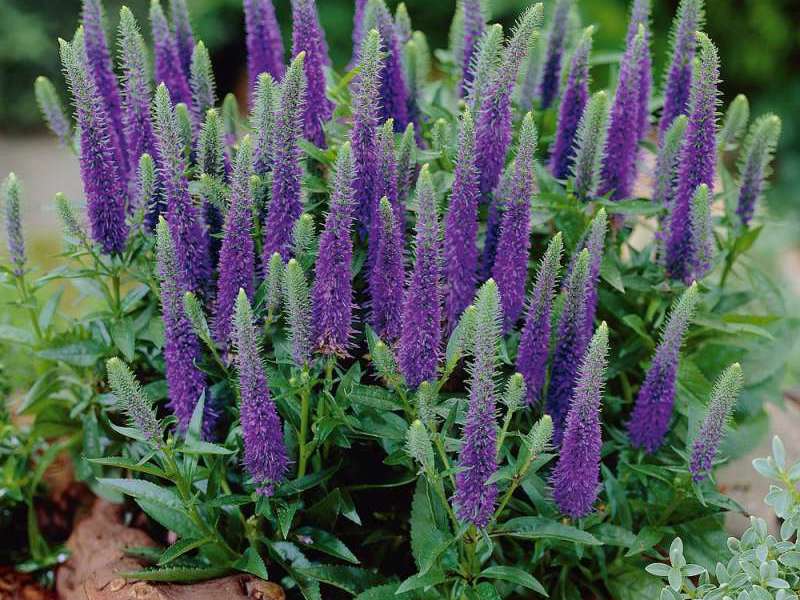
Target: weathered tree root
(97,558)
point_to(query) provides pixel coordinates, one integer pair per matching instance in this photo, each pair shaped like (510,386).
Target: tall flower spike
(237,256)
(394,90)
(683,44)
(265,456)
(286,204)
(570,345)
(551,73)
(485,62)
(640,15)
(493,124)
(11,195)
(168,69)
(576,479)
(461,227)
(73,229)
(182,348)
(105,194)
(702,232)
(475,496)
(201,80)
(653,410)
(618,171)
(308,37)
(366,96)
(534,343)
(134,400)
(474,27)
(511,268)
(666,169)
(147,199)
(52,110)
(264,43)
(136,90)
(101,70)
(402,23)
(708,438)
(186,227)
(697,160)
(422,319)
(595,243)
(386,183)
(298,312)
(273,281)
(387,277)
(211,157)
(332,294)
(262,122)
(754,168)
(734,123)
(406,166)
(573,104)
(591,139)
(184,37)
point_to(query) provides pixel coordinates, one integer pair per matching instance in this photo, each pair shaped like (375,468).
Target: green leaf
(646,539)
(533,528)
(251,562)
(514,575)
(128,464)
(173,519)
(419,581)
(180,548)
(385,592)
(49,309)
(177,574)
(78,354)
(124,338)
(353,580)
(322,541)
(201,447)
(138,488)
(427,540)
(15,335)
(375,397)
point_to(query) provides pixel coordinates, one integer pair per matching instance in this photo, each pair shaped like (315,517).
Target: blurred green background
(759,42)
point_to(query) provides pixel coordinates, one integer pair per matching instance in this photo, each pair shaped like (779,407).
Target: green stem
(115,293)
(305,402)
(503,432)
(27,299)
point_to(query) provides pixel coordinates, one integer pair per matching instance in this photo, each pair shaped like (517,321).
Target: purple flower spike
(551,73)
(264,42)
(286,204)
(105,193)
(168,68)
(475,497)
(136,92)
(595,244)
(420,342)
(677,86)
(461,228)
(366,96)
(182,31)
(394,91)
(759,148)
(576,479)
(308,37)
(618,170)
(708,438)
(10,194)
(570,346)
(236,259)
(573,103)
(332,294)
(493,124)
(653,410)
(101,71)
(534,343)
(186,226)
(265,456)
(358,31)
(474,27)
(640,15)
(387,277)
(52,110)
(182,348)
(514,245)
(386,183)
(697,160)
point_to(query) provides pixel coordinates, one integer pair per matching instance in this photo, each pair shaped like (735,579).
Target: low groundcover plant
(450,325)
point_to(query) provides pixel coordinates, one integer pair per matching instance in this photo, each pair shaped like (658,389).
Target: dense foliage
(365,340)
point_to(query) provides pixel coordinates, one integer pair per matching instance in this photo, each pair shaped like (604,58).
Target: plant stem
(27,298)
(305,401)
(503,432)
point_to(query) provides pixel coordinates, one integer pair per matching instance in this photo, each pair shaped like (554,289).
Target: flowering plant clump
(429,328)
